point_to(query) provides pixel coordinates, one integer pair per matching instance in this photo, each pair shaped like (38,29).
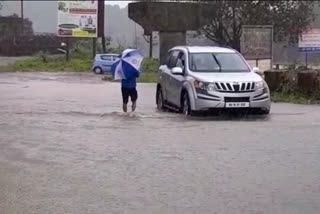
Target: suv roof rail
(225,46)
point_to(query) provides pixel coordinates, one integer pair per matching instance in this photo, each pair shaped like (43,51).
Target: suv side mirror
(177,71)
(256,70)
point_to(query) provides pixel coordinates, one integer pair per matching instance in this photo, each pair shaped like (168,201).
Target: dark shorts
(129,92)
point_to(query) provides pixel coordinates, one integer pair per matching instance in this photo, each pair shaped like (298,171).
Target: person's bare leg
(134,106)
(125,107)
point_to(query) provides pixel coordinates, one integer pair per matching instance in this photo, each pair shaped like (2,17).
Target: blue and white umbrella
(128,64)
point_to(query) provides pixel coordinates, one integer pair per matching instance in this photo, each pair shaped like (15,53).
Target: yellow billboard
(78,18)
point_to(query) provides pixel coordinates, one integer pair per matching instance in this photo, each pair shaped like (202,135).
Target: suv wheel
(97,70)
(264,111)
(185,107)
(159,99)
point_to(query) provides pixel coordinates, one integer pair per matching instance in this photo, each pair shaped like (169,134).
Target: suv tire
(185,104)
(159,99)
(264,111)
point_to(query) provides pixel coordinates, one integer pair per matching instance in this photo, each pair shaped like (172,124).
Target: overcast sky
(120,3)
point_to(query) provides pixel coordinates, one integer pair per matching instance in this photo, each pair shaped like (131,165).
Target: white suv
(203,78)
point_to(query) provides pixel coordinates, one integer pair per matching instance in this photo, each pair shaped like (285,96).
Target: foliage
(80,59)
(11,26)
(289,18)
(292,97)
(53,64)
(149,70)
(148,77)
(115,50)
(150,66)
(83,48)
(6,68)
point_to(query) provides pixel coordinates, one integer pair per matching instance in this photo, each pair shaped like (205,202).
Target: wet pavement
(65,147)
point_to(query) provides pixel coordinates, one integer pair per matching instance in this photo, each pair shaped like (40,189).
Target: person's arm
(138,75)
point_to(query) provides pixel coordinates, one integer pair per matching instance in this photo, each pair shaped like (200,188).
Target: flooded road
(65,147)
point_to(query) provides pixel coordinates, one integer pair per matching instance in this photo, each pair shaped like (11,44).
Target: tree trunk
(236,45)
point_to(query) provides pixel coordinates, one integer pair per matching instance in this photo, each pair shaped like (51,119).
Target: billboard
(309,41)
(78,18)
(256,42)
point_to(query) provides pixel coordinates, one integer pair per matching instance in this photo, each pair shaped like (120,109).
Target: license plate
(238,105)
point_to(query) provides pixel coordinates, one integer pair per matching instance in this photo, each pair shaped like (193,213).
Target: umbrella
(128,64)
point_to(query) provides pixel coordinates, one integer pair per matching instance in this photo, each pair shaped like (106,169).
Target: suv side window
(173,59)
(181,61)
(168,59)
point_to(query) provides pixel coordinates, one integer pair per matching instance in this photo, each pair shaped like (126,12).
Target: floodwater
(65,147)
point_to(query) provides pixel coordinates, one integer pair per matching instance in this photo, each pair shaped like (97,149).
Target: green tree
(289,19)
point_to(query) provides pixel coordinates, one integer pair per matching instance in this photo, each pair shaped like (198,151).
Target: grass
(149,71)
(77,63)
(6,68)
(148,77)
(53,64)
(297,98)
(80,63)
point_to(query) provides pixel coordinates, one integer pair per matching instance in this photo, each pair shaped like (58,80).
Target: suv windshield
(217,62)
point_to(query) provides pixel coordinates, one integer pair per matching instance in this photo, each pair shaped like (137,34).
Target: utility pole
(68,49)
(101,33)
(151,45)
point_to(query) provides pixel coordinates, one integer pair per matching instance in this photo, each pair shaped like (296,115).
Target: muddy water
(65,147)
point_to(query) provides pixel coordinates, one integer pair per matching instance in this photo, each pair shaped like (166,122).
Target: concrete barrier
(309,82)
(274,79)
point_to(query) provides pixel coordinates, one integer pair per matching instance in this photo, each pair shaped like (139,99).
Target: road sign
(309,41)
(256,42)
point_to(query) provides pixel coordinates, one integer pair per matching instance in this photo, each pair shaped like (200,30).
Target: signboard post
(77,19)
(68,50)
(309,42)
(257,43)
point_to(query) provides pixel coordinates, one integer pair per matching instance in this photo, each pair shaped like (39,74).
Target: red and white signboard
(309,41)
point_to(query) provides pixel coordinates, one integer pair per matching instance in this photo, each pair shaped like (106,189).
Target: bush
(148,77)
(149,70)
(292,97)
(150,66)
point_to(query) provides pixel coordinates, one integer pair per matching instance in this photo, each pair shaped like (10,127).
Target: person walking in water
(129,90)
(127,69)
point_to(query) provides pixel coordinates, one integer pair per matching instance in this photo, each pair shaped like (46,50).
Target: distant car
(103,62)
(203,78)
